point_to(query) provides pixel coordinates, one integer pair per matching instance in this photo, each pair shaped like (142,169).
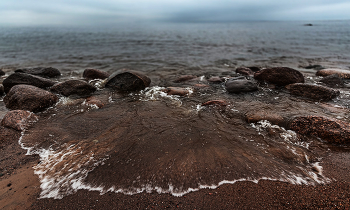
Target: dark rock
(279,76)
(328,129)
(8,135)
(41,71)
(27,97)
(254,68)
(215,102)
(308,24)
(73,87)
(312,91)
(128,81)
(244,71)
(26,79)
(216,80)
(185,78)
(240,84)
(333,81)
(95,74)
(2,91)
(176,91)
(18,119)
(316,67)
(345,74)
(2,73)
(256,116)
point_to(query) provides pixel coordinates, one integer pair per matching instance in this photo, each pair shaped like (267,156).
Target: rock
(73,87)
(244,71)
(2,91)
(201,86)
(328,129)
(240,84)
(2,73)
(26,79)
(41,71)
(185,78)
(256,116)
(95,74)
(345,74)
(8,135)
(216,80)
(316,67)
(128,81)
(27,97)
(176,91)
(279,76)
(215,102)
(94,101)
(18,119)
(333,81)
(312,91)
(254,68)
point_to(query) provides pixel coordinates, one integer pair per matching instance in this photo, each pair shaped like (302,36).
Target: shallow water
(149,141)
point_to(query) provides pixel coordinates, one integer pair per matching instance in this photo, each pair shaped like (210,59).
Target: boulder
(73,87)
(240,84)
(279,76)
(128,81)
(18,119)
(185,78)
(333,81)
(95,74)
(345,74)
(26,79)
(215,102)
(256,116)
(8,135)
(317,92)
(31,98)
(245,71)
(328,129)
(176,91)
(41,71)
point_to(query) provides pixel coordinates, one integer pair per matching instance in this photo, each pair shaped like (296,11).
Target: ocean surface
(148,141)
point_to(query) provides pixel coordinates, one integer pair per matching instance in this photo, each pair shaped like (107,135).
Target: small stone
(345,74)
(215,102)
(256,116)
(216,80)
(128,81)
(41,71)
(316,67)
(185,78)
(91,74)
(26,79)
(333,81)
(201,86)
(244,71)
(94,101)
(18,119)
(176,91)
(279,76)
(73,87)
(312,91)
(31,98)
(240,84)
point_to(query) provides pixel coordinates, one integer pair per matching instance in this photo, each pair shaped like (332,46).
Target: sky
(104,12)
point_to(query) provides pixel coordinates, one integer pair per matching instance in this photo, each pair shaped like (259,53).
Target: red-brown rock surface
(18,119)
(184,78)
(176,91)
(280,76)
(244,71)
(26,79)
(128,81)
(256,116)
(215,102)
(73,87)
(345,74)
(312,91)
(95,74)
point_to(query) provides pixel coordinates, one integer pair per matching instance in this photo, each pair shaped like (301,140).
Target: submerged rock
(256,116)
(128,81)
(27,97)
(240,84)
(18,119)
(41,71)
(26,79)
(245,71)
(215,102)
(345,74)
(73,87)
(280,76)
(312,91)
(95,74)
(328,129)
(333,81)
(185,78)
(176,91)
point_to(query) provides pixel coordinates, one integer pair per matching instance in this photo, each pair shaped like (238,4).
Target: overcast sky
(90,12)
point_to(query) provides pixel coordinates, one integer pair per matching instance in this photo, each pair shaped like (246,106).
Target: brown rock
(256,116)
(345,74)
(312,91)
(128,81)
(244,71)
(328,129)
(95,74)
(215,102)
(176,91)
(94,101)
(333,81)
(18,119)
(201,86)
(41,71)
(73,87)
(185,78)
(26,79)
(216,80)
(280,76)
(27,97)
(8,135)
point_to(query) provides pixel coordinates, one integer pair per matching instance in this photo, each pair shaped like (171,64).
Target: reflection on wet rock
(280,76)
(328,129)
(41,71)
(317,92)
(95,74)
(73,87)
(27,97)
(128,81)
(18,119)
(26,79)
(240,84)
(345,74)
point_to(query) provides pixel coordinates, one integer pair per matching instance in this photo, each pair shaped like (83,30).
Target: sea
(148,141)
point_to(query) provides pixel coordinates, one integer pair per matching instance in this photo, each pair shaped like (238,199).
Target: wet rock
(185,78)
(18,119)
(128,81)
(94,101)
(254,68)
(280,76)
(345,74)
(73,87)
(41,71)
(176,91)
(27,97)
(333,81)
(2,91)
(8,135)
(216,80)
(316,67)
(215,102)
(2,73)
(244,71)
(95,74)
(240,84)
(201,86)
(26,79)
(328,129)
(256,116)
(312,91)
